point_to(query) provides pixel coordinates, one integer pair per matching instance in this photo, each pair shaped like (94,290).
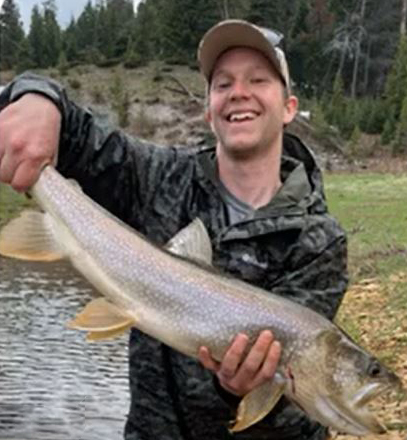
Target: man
(258,192)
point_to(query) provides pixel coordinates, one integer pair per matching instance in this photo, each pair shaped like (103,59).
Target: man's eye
(258,80)
(223,85)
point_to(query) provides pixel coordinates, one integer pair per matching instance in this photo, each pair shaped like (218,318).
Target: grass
(11,203)
(373,210)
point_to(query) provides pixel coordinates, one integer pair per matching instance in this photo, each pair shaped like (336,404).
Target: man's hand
(238,374)
(29,137)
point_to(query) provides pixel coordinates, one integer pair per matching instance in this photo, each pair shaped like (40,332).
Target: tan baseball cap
(240,33)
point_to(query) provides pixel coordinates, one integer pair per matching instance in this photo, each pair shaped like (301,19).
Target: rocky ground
(380,309)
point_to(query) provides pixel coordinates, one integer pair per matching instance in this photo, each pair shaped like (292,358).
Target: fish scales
(194,303)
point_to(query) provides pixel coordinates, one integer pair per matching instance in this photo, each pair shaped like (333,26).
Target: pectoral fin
(102,320)
(30,237)
(258,403)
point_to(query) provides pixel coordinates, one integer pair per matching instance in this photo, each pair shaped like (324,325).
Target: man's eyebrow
(221,72)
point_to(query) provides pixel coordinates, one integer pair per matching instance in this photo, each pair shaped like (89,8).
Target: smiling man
(258,191)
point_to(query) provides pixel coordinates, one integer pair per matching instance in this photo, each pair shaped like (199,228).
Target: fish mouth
(358,415)
(355,417)
(369,393)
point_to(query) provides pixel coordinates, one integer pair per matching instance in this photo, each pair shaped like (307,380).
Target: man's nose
(240,89)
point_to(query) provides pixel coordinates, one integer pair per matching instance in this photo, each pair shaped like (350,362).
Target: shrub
(143,124)
(74,83)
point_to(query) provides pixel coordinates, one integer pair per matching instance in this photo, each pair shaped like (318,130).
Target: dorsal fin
(192,242)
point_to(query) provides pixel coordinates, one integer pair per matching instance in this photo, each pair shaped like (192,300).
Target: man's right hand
(29,137)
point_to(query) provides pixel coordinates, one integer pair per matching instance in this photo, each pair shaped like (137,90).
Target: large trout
(175,296)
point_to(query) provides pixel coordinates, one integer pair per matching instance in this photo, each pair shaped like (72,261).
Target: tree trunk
(403,18)
(226,9)
(367,66)
(358,48)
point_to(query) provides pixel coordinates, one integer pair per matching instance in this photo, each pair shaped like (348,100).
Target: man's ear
(291,107)
(208,117)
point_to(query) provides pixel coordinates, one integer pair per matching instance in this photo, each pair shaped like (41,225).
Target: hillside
(165,104)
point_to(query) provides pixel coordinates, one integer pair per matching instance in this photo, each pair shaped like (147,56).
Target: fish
(174,294)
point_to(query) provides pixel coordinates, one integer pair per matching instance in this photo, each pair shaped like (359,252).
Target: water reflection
(53,384)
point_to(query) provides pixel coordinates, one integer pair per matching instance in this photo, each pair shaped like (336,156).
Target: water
(53,384)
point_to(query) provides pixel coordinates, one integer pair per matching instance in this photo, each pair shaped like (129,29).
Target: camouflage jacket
(292,247)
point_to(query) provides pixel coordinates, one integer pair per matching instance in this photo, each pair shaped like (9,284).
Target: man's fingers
(259,366)
(233,356)
(258,353)
(204,356)
(25,175)
(268,369)
(270,364)
(7,168)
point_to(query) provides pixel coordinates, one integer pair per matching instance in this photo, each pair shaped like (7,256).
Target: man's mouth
(241,116)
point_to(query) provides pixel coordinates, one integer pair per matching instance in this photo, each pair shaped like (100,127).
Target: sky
(66,9)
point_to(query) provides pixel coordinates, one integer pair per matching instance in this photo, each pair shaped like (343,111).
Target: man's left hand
(239,374)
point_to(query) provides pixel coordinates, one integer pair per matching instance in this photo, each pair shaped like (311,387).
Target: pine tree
(70,42)
(11,35)
(52,35)
(184,24)
(85,30)
(36,38)
(119,20)
(400,141)
(336,110)
(397,80)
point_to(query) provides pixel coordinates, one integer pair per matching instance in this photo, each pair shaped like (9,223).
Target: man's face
(247,106)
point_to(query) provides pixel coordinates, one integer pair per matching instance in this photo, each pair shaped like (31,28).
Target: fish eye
(374,369)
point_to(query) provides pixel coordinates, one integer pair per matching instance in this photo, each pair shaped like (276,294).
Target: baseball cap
(240,33)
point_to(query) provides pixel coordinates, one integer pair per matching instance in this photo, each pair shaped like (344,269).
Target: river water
(53,384)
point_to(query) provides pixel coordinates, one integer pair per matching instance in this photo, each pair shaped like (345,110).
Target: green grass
(373,210)
(11,203)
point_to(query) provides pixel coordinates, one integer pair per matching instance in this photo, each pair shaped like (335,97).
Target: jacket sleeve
(119,172)
(318,275)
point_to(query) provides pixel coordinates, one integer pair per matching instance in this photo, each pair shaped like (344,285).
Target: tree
(85,29)
(36,38)
(403,17)
(361,32)
(400,141)
(397,79)
(70,41)
(11,35)
(184,23)
(52,34)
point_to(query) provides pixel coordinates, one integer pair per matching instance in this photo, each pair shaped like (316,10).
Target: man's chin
(241,150)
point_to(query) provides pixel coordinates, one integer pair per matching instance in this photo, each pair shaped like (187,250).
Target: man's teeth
(242,116)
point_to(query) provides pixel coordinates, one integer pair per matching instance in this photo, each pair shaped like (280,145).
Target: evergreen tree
(70,42)
(11,35)
(184,23)
(269,14)
(397,79)
(24,61)
(85,31)
(36,38)
(147,31)
(52,34)
(400,141)
(336,109)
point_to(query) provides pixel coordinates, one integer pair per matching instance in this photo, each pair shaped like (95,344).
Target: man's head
(239,33)
(249,98)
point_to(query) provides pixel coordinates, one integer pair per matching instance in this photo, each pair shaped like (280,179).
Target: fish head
(345,380)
